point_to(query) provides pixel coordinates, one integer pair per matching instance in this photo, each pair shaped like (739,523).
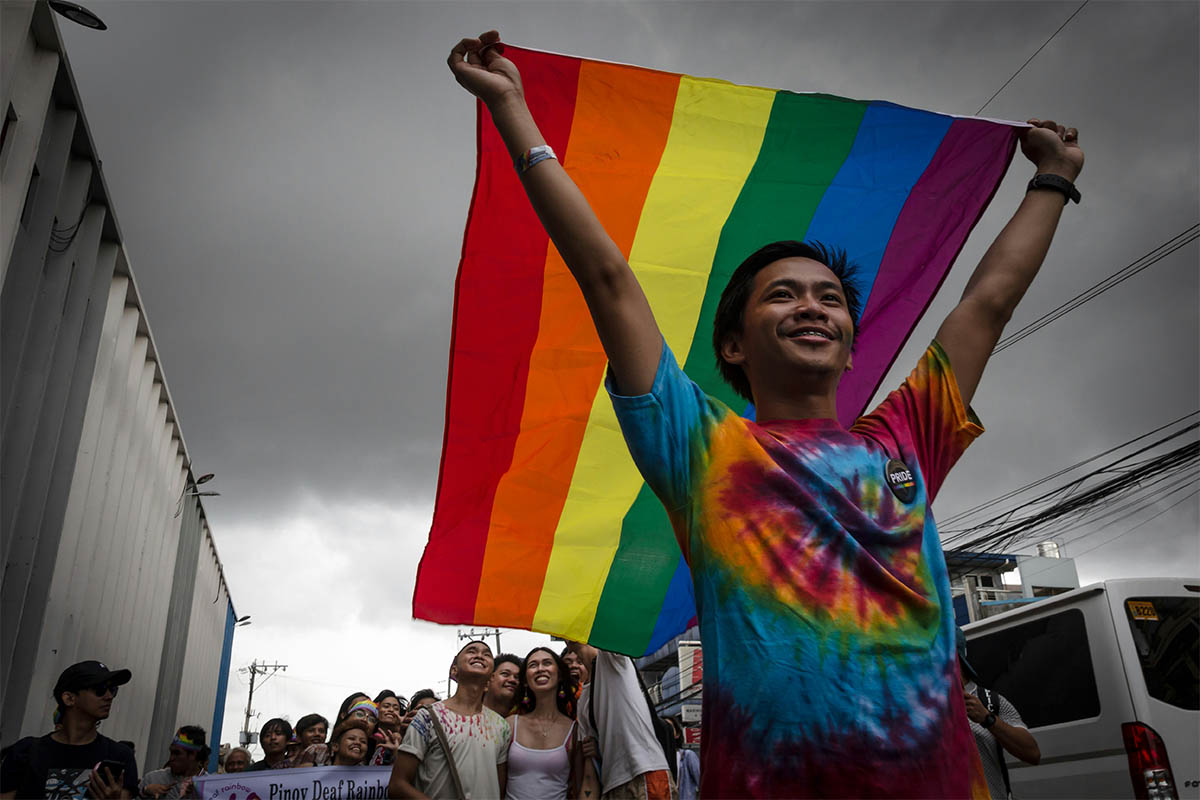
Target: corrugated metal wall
(104,555)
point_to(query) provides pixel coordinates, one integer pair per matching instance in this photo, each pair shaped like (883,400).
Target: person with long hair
(540,763)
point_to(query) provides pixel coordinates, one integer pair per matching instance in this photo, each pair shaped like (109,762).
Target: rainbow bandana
(366,705)
(542,521)
(183,741)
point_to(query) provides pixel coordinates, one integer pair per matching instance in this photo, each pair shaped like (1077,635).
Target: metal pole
(249,699)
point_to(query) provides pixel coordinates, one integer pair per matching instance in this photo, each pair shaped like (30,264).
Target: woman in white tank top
(539,759)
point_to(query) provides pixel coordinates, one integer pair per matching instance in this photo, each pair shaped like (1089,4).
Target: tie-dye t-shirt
(823,597)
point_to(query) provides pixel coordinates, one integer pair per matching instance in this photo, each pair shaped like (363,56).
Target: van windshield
(1166,631)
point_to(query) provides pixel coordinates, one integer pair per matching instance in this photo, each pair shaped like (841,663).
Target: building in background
(673,675)
(978,580)
(106,549)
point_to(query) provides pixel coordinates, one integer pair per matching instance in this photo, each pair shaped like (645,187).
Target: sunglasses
(103,689)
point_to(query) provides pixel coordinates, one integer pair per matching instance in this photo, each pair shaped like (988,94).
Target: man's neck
(803,396)
(468,698)
(781,407)
(275,758)
(76,729)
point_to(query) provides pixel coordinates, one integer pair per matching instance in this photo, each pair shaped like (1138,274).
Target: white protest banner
(310,783)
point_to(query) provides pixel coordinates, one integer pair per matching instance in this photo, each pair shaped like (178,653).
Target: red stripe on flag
(497,301)
(620,113)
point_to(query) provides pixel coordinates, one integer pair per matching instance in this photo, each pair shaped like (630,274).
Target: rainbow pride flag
(541,520)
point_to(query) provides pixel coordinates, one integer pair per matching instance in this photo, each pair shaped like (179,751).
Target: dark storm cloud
(292,181)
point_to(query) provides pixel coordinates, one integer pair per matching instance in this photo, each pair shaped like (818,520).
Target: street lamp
(193,493)
(78,14)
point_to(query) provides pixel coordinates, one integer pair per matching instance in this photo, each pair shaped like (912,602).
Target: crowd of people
(553,725)
(573,723)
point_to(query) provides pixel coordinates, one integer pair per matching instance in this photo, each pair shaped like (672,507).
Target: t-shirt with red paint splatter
(479,743)
(821,587)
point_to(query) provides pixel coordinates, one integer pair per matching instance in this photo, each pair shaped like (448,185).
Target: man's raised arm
(619,308)
(972,329)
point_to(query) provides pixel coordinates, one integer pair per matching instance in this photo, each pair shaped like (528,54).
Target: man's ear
(454,671)
(731,350)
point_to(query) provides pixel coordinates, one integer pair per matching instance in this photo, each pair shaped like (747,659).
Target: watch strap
(989,720)
(1055,183)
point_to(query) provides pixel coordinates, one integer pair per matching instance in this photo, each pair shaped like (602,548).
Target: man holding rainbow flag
(821,587)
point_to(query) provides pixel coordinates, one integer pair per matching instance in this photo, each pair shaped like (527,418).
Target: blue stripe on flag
(859,209)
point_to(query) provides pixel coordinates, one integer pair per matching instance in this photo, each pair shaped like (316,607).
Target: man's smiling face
(474,661)
(796,319)
(504,682)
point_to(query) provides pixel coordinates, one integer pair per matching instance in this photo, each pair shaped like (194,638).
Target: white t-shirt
(479,743)
(628,747)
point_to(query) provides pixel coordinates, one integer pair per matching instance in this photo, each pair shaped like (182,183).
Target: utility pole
(255,669)
(473,634)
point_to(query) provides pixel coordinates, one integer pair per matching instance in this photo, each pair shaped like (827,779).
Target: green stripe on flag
(807,139)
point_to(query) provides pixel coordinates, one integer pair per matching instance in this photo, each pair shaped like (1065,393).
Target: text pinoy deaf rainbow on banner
(311,783)
(542,521)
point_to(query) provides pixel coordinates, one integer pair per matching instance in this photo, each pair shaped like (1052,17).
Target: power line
(999,519)
(1146,521)
(962,515)
(1031,58)
(1120,276)
(1123,484)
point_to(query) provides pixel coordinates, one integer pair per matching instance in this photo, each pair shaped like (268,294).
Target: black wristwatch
(989,720)
(1056,183)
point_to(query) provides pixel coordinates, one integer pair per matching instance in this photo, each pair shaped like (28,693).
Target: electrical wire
(1000,519)
(963,515)
(1004,532)
(1120,276)
(1031,58)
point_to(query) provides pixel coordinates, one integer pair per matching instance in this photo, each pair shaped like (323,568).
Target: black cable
(1122,484)
(1000,518)
(960,516)
(1031,58)
(1120,276)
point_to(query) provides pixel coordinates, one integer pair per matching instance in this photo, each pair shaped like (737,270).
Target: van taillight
(1149,767)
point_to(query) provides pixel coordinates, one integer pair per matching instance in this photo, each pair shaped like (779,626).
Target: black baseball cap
(88,674)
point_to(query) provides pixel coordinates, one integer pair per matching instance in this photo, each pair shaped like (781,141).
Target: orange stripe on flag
(620,113)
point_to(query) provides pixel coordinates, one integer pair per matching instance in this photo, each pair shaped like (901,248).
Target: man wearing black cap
(75,760)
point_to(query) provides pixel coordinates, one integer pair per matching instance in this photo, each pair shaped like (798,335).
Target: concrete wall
(103,556)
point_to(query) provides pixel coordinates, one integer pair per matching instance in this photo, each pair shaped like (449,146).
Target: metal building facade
(106,549)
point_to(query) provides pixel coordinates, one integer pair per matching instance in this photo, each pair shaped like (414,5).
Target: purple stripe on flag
(938,216)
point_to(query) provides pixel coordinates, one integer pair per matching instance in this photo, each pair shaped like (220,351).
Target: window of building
(1044,668)
(987,580)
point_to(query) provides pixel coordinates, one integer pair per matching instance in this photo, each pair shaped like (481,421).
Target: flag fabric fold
(541,519)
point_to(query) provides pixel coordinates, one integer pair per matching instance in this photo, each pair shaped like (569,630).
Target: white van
(1107,677)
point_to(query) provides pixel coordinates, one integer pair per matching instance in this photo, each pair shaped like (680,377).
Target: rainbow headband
(366,705)
(187,744)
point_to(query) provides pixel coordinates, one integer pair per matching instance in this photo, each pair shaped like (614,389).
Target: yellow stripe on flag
(716,132)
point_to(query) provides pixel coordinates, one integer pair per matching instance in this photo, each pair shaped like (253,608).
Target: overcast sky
(292,180)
